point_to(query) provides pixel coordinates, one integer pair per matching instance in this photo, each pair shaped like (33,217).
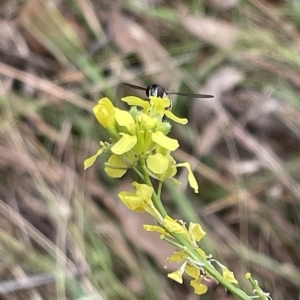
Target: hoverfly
(157,90)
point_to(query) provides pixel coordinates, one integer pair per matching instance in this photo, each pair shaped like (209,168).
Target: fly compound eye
(161,92)
(154,90)
(148,91)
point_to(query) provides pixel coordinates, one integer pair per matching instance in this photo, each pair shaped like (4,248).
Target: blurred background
(63,232)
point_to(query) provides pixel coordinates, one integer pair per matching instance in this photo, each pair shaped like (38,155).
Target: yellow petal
(144,191)
(124,118)
(132,201)
(143,195)
(228,275)
(114,173)
(90,161)
(172,117)
(172,226)
(199,288)
(178,256)
(196,231)
(176,276)
(125,144)
(160,104)
(192,271)
(154,228)
(201,252)
(105,112)
(115,167)
(171,171)
(158,163)
(131,100)
(159,138)
(146,122)
(140,200)
(191,177)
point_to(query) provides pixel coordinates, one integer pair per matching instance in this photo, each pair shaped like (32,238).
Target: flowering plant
(139,141)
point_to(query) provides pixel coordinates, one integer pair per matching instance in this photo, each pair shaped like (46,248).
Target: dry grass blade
(25,283)
(212,31)
(45,86)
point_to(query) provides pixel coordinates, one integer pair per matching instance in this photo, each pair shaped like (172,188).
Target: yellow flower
(105,113)
(192,271)
(177,275)
(191,178)
(159,138)
(172,226)
(172,117)
(139,133)
(125,144)
(228,275)
(146,123)
(162,166)
(115,167)
(125,121)
(154,228)
(159,106)
(199,287)
(178,256)
(90,161)
(131,100)
(196,232)
(141,200)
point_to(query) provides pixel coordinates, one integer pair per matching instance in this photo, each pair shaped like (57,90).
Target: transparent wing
(136,87)
(192,95)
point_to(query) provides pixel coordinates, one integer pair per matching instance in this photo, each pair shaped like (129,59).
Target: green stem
(259,292)
(156,200)
(140,174)
(159,189)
